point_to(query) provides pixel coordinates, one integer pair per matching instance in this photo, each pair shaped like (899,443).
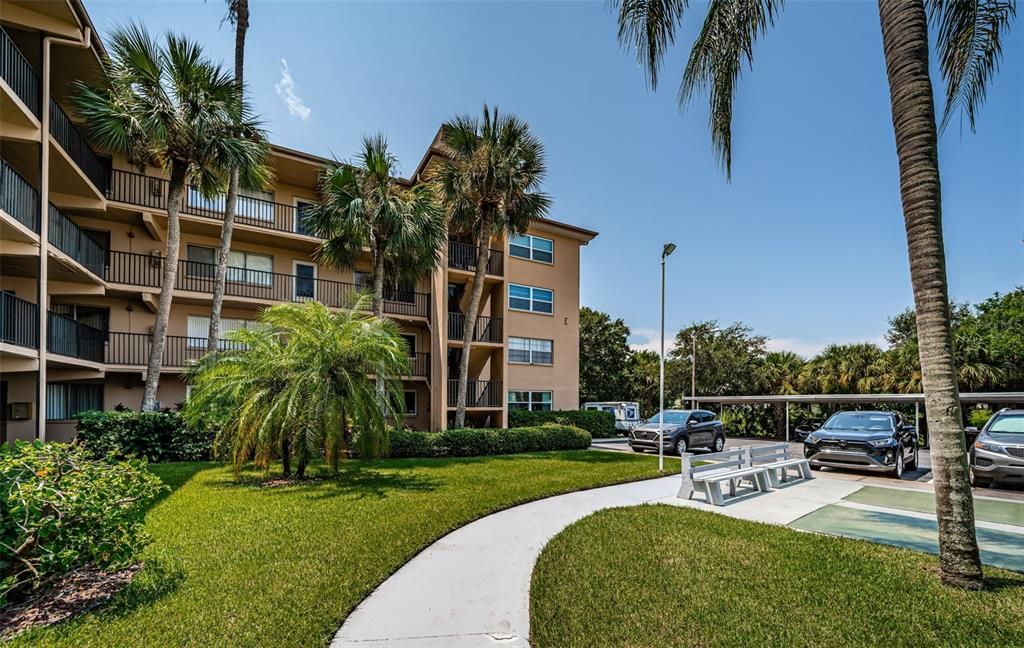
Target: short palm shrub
(61,509)
(478,442)
(599,424)
(155,436)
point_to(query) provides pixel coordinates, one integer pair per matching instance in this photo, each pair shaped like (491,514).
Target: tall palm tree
(169,106)
(968,37)
(364,206)
(489,181)
(779,373)
(238,15)
(293,385)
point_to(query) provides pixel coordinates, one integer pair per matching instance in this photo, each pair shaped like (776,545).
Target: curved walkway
(472,587)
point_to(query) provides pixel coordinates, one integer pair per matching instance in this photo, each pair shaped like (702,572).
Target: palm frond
(649,28)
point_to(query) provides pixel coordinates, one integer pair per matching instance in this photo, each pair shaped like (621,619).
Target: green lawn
(670,576)
(241,565)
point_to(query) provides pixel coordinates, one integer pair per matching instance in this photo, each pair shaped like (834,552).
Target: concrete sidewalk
(472,587)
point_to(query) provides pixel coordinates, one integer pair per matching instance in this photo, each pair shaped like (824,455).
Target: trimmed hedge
(599,424)
(157,436)
(476,442)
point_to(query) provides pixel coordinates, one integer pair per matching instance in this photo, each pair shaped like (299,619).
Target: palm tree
(364,206)
(238,15)
(968,36)
(489,182)
(779,374)
(168,106)
(294,384)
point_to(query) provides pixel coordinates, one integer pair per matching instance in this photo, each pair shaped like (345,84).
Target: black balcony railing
(462,256)
(133,349)
(419,365)
(148,191)
(19,321)
(479,393)
(18,198)
(147,270)
(67,337)
(94,167)
(488,329)
(69,238)
(18,73)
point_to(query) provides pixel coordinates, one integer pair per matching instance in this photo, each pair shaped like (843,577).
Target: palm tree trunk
(483,254)
(286,456)
(378,305)
(175,194)
(231,201)
(905,40)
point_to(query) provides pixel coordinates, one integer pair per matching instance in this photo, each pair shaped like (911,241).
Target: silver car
(997,453)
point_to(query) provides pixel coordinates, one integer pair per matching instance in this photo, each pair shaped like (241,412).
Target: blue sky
(806,244)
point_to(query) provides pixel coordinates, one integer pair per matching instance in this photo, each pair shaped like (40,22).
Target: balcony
(479,393)
(18,198)
(463,256)
(151,192)
(18,73)
(419,365)
(19,321)
(488,329)
(65,336)
(67,237)
(132,349)
(147,271)
(94,167)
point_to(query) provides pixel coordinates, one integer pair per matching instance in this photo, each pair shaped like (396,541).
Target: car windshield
(860,421)
(1011,424)
(671,416)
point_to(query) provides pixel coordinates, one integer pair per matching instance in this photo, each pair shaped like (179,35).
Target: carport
(989,398)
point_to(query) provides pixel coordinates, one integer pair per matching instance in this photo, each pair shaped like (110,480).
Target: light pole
(665,252)
(693,367)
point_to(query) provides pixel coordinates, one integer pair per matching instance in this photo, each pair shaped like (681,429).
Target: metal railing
(462,256)
(488,329)
(132,349)
(479,393)
(149,191)
(67,337)
(94,167)
(18,73)
(19,321)
(18,198)
(69,238)
(147,270)
(419,365)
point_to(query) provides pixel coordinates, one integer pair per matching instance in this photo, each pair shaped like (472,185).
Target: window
(410,340)
(532,247)
(257,205)
(251,268)
(199,330)
(201,262)
(403,291)
(528,298)
(65,400)
(410,402)
(302,212)
(530,351)
(538,401)
(305,281)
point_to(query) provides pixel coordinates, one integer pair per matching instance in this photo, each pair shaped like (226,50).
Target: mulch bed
(79,591)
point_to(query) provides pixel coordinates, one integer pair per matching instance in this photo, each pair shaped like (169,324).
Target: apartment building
(82,238)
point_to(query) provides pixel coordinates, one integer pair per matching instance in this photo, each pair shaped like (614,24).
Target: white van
(627,415)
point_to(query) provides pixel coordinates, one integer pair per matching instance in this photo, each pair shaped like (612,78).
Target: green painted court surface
(999,548)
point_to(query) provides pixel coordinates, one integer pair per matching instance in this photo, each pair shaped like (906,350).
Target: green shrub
(157,436)
(979,417)
(476,442)
(599,424)
(61,509)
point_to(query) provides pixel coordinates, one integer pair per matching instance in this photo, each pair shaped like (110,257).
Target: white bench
(732,467)
(776,459)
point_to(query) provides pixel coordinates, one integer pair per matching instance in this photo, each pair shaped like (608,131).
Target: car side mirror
(815,426)
(971,429)
(691,423)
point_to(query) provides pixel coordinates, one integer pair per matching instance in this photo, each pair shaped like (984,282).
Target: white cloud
(647,340)
(808,348)
(286,90)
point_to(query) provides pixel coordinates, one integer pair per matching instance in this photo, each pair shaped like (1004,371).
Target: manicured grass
(239,565)
(669,576)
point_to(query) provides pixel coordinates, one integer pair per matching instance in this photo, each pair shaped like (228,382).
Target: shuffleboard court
(985,509)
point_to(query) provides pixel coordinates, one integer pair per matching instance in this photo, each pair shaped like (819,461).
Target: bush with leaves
(599,424)
(477,442)
(61,509)
(156,436)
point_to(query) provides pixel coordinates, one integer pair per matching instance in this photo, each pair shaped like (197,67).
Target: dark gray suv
(684,429)
(997,453)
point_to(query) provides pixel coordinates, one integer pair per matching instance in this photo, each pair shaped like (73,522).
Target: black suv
(684,429)
(876,441)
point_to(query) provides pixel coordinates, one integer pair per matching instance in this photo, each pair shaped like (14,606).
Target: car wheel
(979,482)
(680,446)
(634,449)
(815,467)
(898,470)
(719,444)
(912,464)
